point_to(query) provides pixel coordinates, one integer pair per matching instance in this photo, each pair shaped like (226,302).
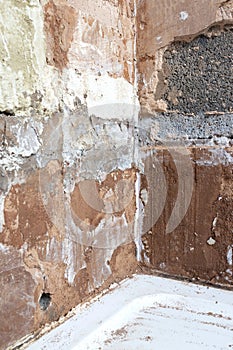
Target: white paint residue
(4,248)
(214,222)
(109,107)
(68,258)
(144,195)
(162,265)
(106,97)
(221,141)
(183,15)
(35,13)
(109,234)
(2,221)
(102,270)
(47,248)
(211,241)
(229,255)
(138,219)
(27,140)
(25,76)
(217,156)
(9,160)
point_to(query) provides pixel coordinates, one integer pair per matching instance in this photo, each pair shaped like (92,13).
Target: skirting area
(148,312)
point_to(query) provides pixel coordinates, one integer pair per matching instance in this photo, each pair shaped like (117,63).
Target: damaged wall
(67,189)
(107,143)
(159,25)
(185,78)
(192,236)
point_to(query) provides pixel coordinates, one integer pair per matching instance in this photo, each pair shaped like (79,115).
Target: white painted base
(148,312)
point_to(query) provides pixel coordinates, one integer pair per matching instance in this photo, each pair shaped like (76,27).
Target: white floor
(148,312)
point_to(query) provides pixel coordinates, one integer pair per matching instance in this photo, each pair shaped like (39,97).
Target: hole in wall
(45,301)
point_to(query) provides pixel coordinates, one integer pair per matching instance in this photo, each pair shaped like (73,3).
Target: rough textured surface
(68,50)
(198,76)
(64,214)
(200,246)
(189,130)
(18,305)
(158,25)
(185,71)
(60,21)
(72,56)
(82,177)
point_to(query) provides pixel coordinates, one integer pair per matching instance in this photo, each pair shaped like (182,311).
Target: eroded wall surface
(161,24)
(67,92)
(116,150)
(185,77)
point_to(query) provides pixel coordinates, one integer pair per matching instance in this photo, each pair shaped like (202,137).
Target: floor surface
(145,313)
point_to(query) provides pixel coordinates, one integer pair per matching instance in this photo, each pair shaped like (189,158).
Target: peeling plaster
(81,123)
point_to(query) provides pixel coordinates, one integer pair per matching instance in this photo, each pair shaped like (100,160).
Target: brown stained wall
(184,69)
(59,25)
(62,236)
(17,297)
(187,251)
(32,257)
(102,30)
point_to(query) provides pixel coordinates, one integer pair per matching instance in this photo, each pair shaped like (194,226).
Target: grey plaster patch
(200,130)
